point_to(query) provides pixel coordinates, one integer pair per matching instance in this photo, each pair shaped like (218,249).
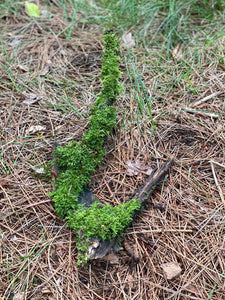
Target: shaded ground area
(48,85)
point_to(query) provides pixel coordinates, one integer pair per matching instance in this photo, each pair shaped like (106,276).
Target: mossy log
(98,247)
(77,161)
(97,227)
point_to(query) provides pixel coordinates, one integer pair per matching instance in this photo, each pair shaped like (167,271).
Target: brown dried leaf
(23,68)
(19,296)
(130,277)
(38,170)
(171,270)
(46,291)
(3,182)
(177,52)
(128,40)
(47,68)
(33,129)
(31,99)
(135,168)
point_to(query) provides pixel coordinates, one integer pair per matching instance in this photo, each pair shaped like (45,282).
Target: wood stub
(100,248)
(145,190)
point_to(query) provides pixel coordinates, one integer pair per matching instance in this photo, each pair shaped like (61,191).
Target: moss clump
(78,160)
(102,221)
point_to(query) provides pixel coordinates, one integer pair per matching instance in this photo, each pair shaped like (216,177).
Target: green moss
(101,221)
(78,160)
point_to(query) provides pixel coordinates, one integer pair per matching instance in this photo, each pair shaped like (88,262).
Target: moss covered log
(78,160)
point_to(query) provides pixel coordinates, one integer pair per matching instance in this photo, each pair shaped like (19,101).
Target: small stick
(208,114)
(205,99)
(216,163)
(161,231)
(145,190)
(7,197)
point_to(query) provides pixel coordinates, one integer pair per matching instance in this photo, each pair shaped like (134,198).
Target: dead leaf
(47,68)
(33,129)
(32,9)
(131,171)
(46,291)
(177,52)
(135,168)
(128,40)
(3,182)
(31,98)
(44,14)
(171,270)
(14,238)
(14,42)
(38,170)
(19,296)
(23,68)
(129,277)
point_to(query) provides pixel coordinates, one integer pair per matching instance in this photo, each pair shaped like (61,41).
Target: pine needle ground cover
(50,80)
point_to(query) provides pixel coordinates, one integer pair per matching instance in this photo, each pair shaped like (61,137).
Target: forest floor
(172,105)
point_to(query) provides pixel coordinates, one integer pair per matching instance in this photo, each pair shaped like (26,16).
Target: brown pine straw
(184,221)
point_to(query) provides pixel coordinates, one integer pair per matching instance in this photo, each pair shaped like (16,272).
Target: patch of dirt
(181,136)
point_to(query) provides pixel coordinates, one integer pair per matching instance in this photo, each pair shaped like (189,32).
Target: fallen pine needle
(216,182)
(162,230)
(206,99)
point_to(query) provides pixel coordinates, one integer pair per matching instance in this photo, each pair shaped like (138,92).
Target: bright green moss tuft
(103,221)
(78,160)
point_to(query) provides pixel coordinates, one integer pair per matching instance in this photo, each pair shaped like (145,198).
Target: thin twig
(201,112)
(7,196)
(161,230)
(218,164)
(205,99)
(217,184)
